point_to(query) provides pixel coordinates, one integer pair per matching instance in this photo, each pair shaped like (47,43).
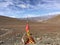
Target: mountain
(40,18)
(8,20)
(54,20)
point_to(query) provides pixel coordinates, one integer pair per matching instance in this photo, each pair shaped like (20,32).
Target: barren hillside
(55,20)
(7,20)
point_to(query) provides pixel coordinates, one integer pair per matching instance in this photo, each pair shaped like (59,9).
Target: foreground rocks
(52,38)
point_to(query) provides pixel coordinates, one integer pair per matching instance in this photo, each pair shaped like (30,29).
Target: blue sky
(30,8)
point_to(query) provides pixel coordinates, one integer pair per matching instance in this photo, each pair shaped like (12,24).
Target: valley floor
(52,38)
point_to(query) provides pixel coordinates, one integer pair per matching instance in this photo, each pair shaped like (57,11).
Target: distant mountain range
(39,19)
(33,19)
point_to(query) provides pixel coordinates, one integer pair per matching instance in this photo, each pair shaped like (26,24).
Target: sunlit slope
(55,20)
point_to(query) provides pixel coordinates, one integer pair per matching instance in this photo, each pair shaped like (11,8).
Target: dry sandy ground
(11,31)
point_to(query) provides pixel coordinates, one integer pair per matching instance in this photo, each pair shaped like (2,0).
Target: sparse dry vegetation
(11,31)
